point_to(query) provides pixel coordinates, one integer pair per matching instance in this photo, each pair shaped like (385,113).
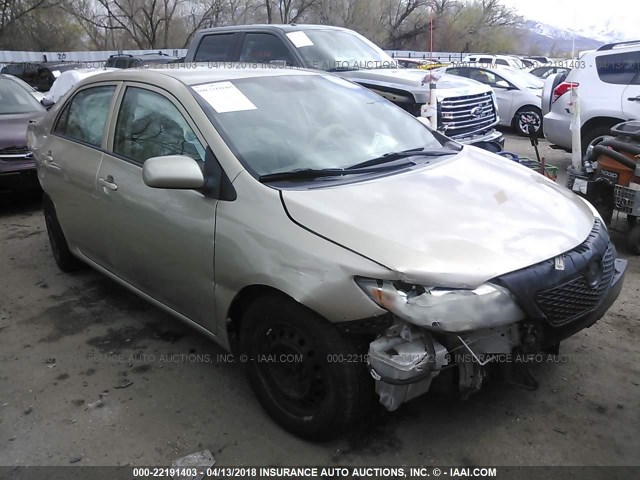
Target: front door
(161,241)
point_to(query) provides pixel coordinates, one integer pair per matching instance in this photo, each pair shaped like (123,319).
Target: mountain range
(554,41)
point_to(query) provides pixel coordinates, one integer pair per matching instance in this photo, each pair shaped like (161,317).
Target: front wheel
(528,116)
(305,373)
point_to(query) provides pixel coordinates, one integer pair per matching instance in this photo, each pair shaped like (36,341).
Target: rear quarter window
(618,69)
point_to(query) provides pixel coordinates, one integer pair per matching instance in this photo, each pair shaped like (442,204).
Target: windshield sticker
(224,97)
(300,39)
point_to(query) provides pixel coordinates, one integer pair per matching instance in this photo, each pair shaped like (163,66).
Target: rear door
(161,241)
(619,73)
(631,95)
(70,160)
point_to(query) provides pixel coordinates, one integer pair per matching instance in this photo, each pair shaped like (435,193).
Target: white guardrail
(85,56)
(7,56)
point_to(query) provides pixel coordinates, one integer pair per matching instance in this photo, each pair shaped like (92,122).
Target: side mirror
(46,103)
(172,171)
(503,84)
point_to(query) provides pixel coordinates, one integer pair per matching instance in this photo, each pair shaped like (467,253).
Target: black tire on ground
(59,247)
(526,115)
(633,240)
(594,135)
(316,398)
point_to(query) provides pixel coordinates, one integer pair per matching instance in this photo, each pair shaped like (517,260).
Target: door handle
(49,163)
(108,183)
(634,99)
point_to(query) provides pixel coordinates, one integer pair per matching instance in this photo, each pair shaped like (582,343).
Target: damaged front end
(464,330)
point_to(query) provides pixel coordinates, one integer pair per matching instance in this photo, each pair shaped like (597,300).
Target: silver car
(518,94)
(327,236)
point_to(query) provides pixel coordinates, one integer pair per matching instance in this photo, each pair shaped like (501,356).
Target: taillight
(561,89)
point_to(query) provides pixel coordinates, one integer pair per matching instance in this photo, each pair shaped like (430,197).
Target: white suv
(494,60)
(608,83)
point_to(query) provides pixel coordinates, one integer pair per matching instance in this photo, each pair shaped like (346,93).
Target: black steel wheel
(305,373)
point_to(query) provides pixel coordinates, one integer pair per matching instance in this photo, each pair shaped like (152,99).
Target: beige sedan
(323,233)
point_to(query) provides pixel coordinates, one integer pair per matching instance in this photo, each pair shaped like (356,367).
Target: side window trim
(105,131)
(152,88)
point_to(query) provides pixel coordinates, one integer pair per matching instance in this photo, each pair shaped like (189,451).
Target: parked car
(539,58)
(351,56)
(608,83)
(354,246)
(517,92)
(546,70)
(422,64)
(17,107)
(40,75)
(124,60)
(529,63)
(494,60)
(67,80)
(25,86)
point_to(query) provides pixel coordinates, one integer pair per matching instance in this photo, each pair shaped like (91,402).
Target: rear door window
(216,48)
(618,69)
(84,116)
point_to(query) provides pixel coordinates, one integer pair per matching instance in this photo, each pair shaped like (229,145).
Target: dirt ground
(92,375)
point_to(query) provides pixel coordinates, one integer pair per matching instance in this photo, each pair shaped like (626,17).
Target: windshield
(290,122)
(339,50)
(525,79)
(15,99)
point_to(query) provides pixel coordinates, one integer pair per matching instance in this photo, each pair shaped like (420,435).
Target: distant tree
(13,12)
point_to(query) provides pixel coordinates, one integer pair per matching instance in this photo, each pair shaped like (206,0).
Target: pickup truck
(467,109)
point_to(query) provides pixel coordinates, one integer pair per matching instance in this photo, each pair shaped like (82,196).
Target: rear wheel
(594,135)
(59,247)
(305,373)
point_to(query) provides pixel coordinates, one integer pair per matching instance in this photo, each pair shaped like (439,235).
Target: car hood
(410,80)
(456,223)
(13,128)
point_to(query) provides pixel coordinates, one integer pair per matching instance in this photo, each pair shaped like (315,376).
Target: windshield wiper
(343,69)
(311,173)
(393,156)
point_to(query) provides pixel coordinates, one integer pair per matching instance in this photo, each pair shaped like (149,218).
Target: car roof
(196,74)
(292,27)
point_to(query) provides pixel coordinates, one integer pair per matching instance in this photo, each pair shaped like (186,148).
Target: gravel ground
(92,375)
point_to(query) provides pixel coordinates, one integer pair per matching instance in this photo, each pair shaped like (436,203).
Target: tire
(631,221)
(317,398)
(59,247)
(525,116)
(594,135)
(633,240)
